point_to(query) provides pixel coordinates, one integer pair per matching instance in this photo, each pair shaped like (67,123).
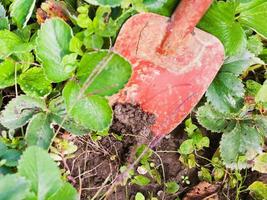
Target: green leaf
(111,79)
(255,45)
(205,175)
(254,17)
(141,180)
(92,112)
(13,187)
(252,87)
(103,26)
(211,119)
(2,11)
(3,148)
(112,3)
(139,196)
(261,124)
(239,142)
(226,93)
(187,147)
(59,116)
(25,59)
(248,4)
(4,24)
(203,142)
(11,156)
(8,42)
(7,73)
(84,21)
(190,128)
(147,154)
(172,187)
(37,167)
(76,45)
(218,173)
(220,21)
(261,96)
(52,45)
(20,110)
(93,42)
(66,192)
(260,163)
(21,11)
(39,131)
(162,7)
(237,64)
(258,190)
(34,83)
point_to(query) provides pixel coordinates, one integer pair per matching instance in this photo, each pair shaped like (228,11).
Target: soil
(96,165)
(131,119)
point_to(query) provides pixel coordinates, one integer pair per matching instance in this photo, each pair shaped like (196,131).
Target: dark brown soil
(96,161)
(97,164)
(131,119)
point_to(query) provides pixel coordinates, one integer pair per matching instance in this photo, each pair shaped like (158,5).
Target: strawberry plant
(59,77)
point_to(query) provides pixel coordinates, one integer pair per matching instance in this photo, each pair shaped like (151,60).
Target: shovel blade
(169,86)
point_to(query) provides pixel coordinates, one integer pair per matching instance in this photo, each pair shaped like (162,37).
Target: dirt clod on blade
(131,119)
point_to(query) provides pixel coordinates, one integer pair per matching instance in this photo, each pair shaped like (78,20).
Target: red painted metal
(173,62)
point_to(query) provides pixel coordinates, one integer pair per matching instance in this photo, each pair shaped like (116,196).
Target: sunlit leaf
(38,168)
(20,110)
(39,131)
(13,187)
(52,45)
(21,11)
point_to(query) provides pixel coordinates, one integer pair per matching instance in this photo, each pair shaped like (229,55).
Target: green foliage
(162,7)
(226,92)
(20,110)
(172,187)
(114,75)
(254,16)
(7,73)
(111,3)
(140,180)
(204,174)
(13,187)
(43,175)
(4,23)
(83,108)
(139,196)
(220,21)
(66,192)
(39,132)
(60,117)
(196,140)
(243,139)
(255,45)
(261,163)
(21,11)
(258,190)
(52,45)
(68,70)
(239,63)
(34,83)
(261,96)
(227,21)
(9,41)
(11,157)
(212,119)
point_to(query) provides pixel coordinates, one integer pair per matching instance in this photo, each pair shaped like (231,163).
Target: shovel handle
(182,23)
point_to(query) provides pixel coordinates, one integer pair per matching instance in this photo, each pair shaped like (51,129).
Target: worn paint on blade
(168,86)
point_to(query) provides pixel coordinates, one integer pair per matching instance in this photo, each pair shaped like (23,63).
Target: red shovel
(173,63)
